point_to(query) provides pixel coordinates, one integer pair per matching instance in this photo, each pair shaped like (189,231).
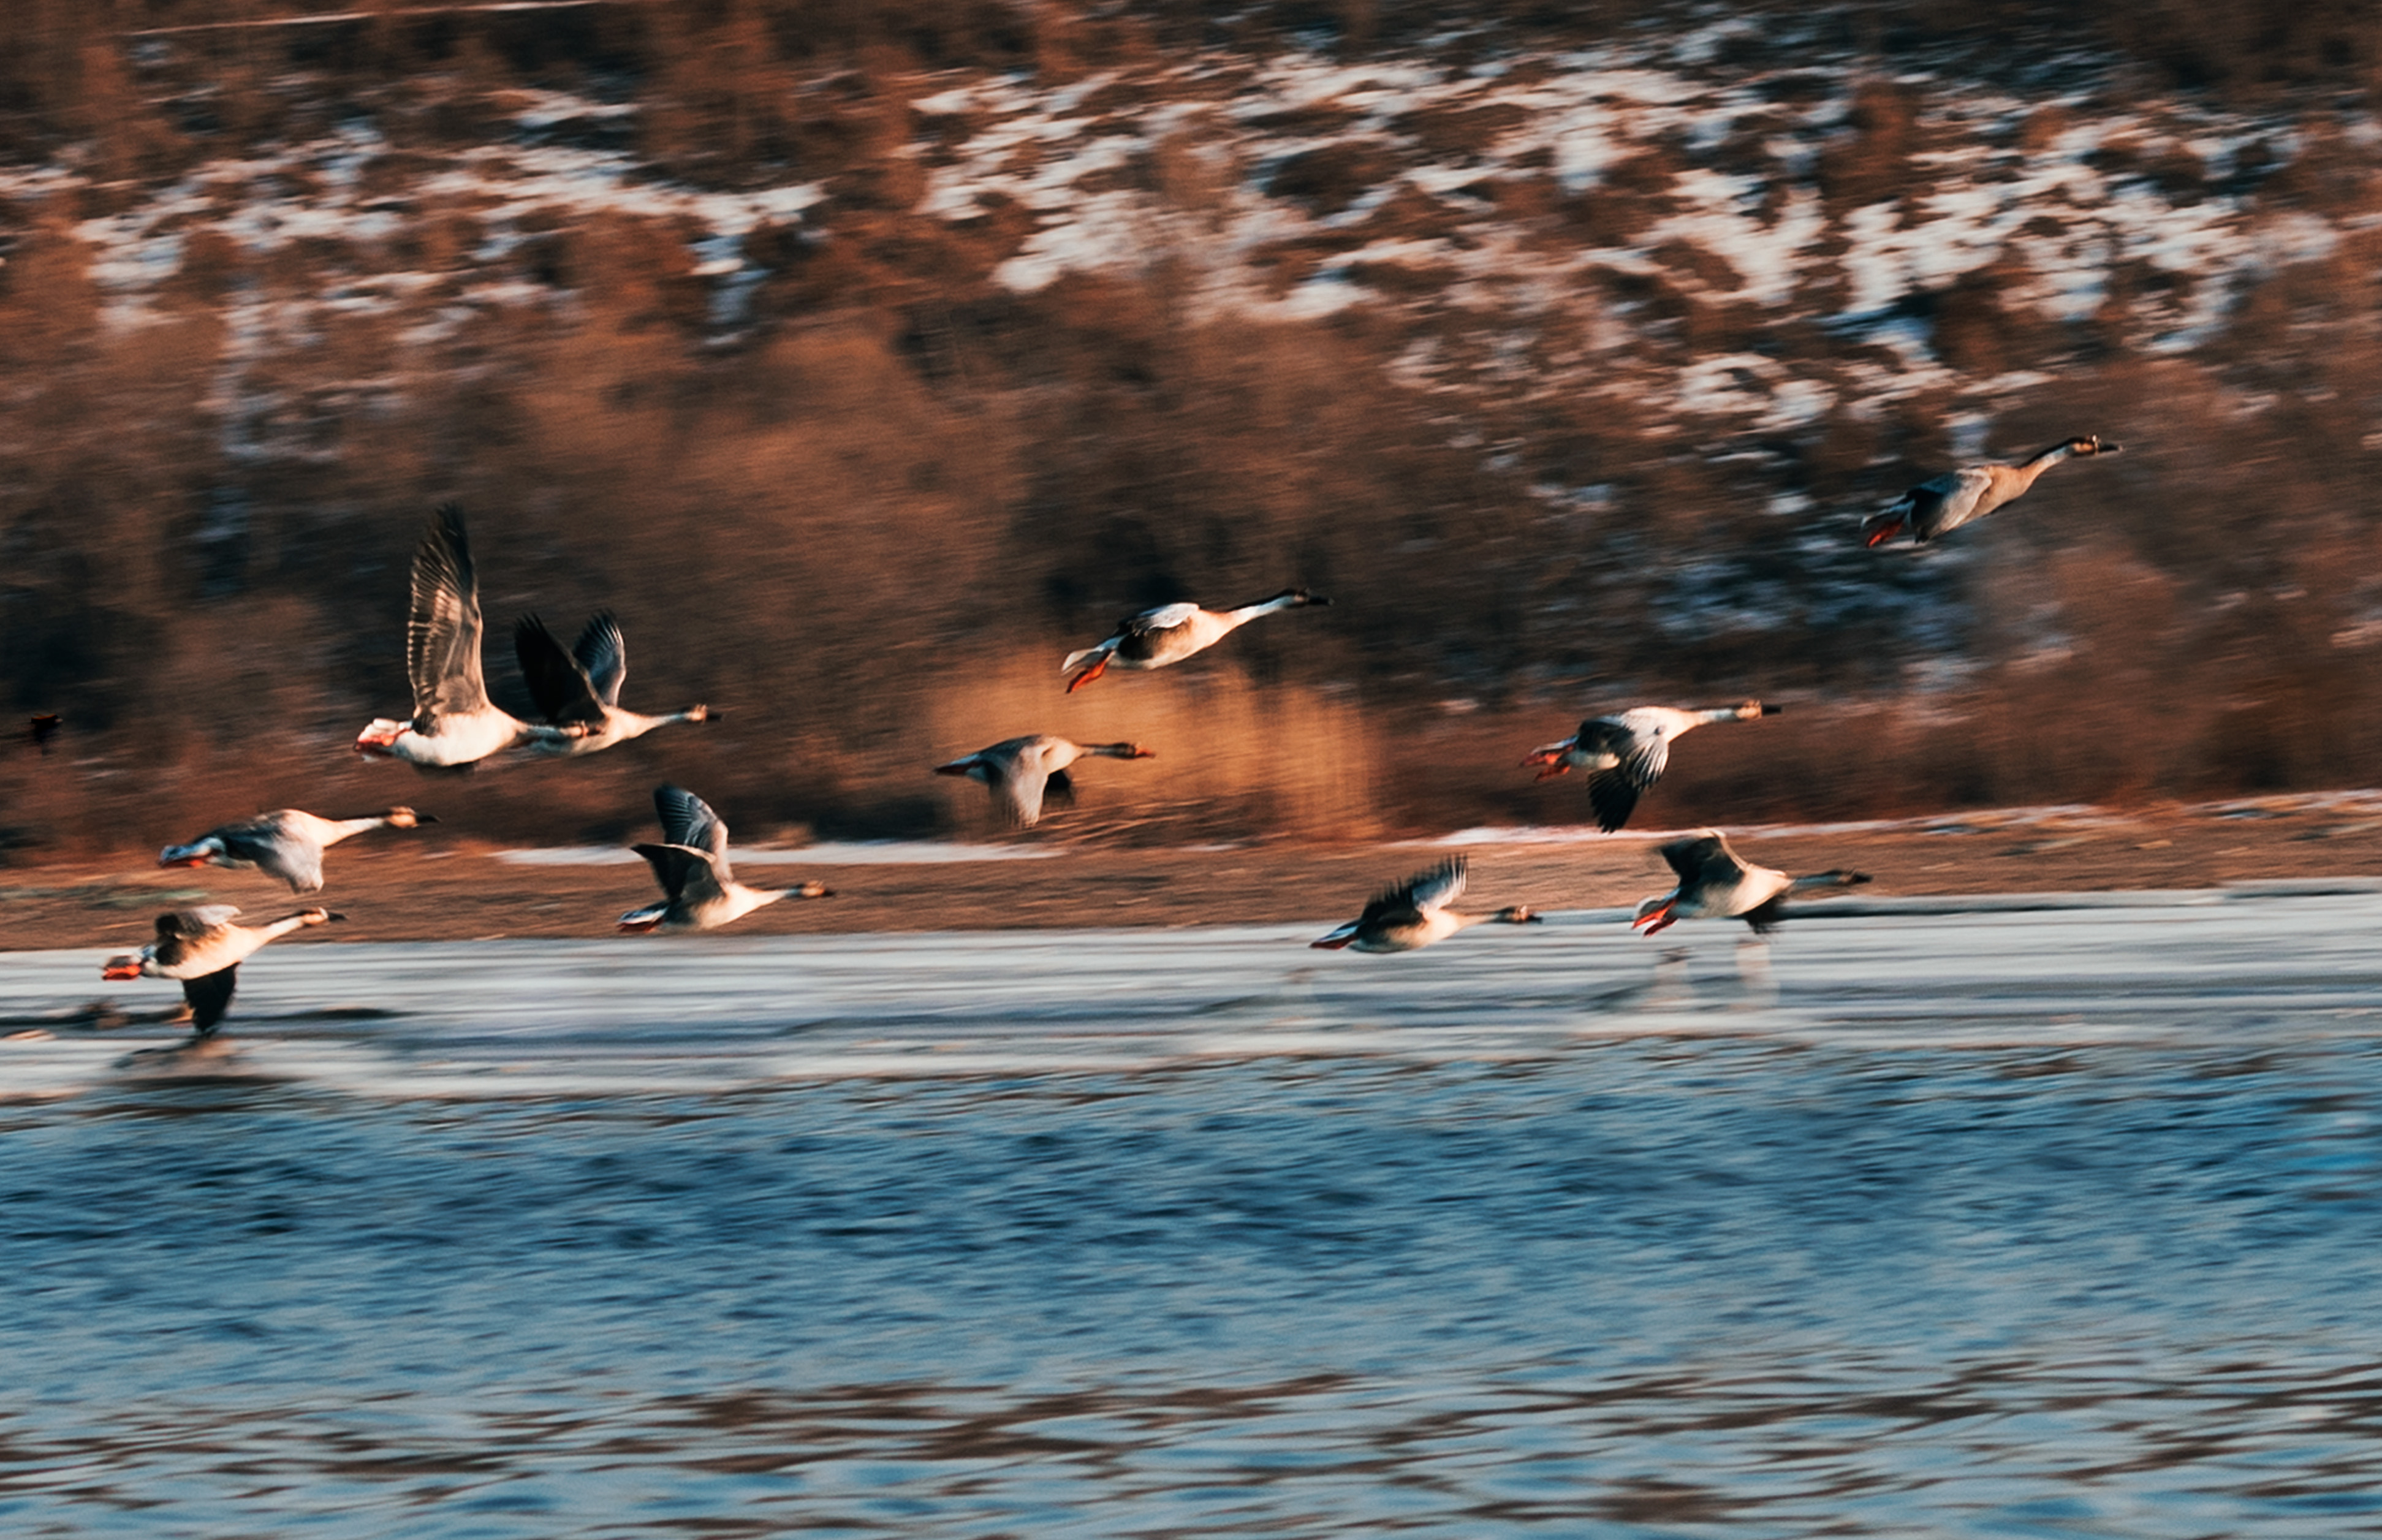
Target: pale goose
(1626,753)
(583,686)
(1715,884)
(1415,913)
(1023,773)
(1170,633)
(454,725)
(287,844)
(700,892)
(1937,507)
(203,948)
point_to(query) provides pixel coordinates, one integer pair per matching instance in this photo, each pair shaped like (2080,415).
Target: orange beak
(1655,920)
(1087,676)
(120,967)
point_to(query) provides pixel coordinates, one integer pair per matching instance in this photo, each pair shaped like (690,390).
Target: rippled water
(2048,1224)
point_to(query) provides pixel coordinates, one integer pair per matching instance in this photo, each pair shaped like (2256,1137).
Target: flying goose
(1714,883)
(1936,507)
(287,844)
(1414,914)
(583,686)
(1625,754)
(203,948)
(453,724)
(1023,773)
(1170,633)
(700,892)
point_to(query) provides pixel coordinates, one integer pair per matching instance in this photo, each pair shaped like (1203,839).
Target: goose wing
(1612,794)
(1058,790)
(603,653)
(556,681)
(688,821)
(442,636)
(208,996)
(277,843)
(192,924)
(686,874)
(180,930)
(1416,897)
(1703,860)
(1166,617)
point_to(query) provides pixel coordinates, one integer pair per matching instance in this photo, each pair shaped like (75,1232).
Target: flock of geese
(454,726)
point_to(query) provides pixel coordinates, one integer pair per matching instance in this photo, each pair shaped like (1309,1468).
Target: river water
(2052,1221)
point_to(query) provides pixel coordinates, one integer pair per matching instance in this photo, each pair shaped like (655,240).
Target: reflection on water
(2056,1222)
(1710,1286)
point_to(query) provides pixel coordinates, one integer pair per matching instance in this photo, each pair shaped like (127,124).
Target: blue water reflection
(1718,1287)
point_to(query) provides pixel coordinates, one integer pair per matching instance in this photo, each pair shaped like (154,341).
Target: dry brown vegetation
(869,520)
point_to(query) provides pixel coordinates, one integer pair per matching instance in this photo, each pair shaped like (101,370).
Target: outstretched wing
(1166,617)
(1022,786)
(685,873)
(687,819)
(603,652)
(209,996)
(190,924)
(1418,895)
(1058,790)
(1766,915)
(1612,794)
(1703,859)
(442,636)
(555,680)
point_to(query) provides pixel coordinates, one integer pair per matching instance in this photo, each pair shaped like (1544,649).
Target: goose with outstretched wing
(699,888)
(454,725)
(1415,913)
(582,687)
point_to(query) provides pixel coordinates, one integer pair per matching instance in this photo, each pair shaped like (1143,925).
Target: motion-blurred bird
(1937,507)
(1625,754)
(1415,913)
(203,948)
(42,727)
(1715,884)
(453,724)
(700,892)
(582,687)
(1023,773)
(1170,633)
(287,844)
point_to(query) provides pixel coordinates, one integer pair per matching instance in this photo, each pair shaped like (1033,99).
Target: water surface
(2047,1223)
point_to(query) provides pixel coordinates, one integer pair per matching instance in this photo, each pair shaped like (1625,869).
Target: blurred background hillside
(866,357)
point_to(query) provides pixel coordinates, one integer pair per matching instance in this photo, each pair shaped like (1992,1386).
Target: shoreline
(397,889)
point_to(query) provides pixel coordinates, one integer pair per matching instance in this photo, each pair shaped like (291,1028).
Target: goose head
(1655,913)
(2090,444)
(1517,914)
(406,817)
(1754,708)
(1550,758)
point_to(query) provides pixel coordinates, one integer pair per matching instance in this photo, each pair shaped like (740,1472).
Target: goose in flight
(1170,633)
(700,893)
(453,725)
(1715,884)
(287,844)
(203,948)
(1936,507)
(1023,773)
(1415,913)
(1625,754)
(583,686)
